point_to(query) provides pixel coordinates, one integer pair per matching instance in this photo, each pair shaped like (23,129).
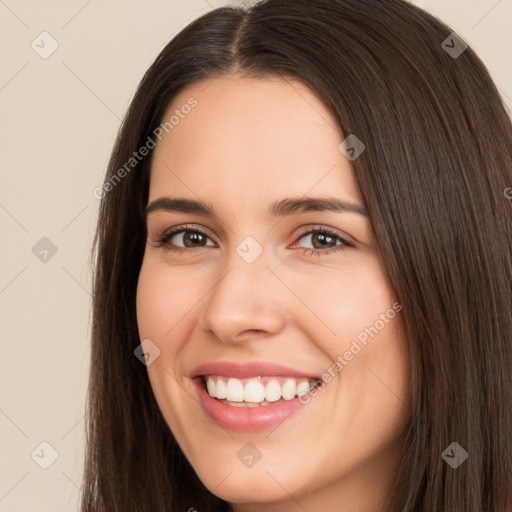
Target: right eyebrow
(179,205)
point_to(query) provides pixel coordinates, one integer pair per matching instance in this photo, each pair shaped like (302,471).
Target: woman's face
(242,287)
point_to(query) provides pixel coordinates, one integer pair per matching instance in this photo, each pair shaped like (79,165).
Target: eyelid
(158,233)
(163,237)
(337,232)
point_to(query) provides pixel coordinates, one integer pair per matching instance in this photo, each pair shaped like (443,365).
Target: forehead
(244,135)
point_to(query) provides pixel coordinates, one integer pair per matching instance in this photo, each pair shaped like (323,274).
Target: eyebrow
(280,208)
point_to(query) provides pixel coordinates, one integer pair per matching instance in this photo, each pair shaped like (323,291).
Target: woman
(235,368)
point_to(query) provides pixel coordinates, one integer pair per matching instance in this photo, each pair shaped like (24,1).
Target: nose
(245,302)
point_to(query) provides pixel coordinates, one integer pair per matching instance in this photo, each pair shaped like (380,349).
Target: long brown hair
(437,163)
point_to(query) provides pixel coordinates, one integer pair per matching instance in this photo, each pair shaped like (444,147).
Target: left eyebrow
(280,208)
(290,206)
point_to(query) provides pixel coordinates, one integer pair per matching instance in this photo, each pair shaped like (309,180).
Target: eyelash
(162,241)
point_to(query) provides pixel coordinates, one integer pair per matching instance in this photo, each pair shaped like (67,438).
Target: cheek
(358,326)
(163,299)
(151,304)
(346,302)
(160,317)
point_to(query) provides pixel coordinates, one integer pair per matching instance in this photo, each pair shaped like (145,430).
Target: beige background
(58,120)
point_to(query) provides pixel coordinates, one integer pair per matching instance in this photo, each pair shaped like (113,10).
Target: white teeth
(210,384)
(243,404)
(302,387)
(288,389)
(235,391)
(221,389)
(272,391)
(254,392)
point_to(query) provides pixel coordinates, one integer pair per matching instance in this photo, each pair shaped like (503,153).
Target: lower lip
(246,419)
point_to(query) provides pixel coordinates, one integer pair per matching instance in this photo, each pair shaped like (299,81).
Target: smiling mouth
(261,391)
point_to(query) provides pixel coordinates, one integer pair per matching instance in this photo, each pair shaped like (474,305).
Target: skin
(247,143)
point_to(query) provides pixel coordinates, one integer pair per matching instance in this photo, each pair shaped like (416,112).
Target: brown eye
(184,238)
(189,238)
(325,241)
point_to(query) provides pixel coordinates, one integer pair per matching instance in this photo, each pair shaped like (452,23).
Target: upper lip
(247,370)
